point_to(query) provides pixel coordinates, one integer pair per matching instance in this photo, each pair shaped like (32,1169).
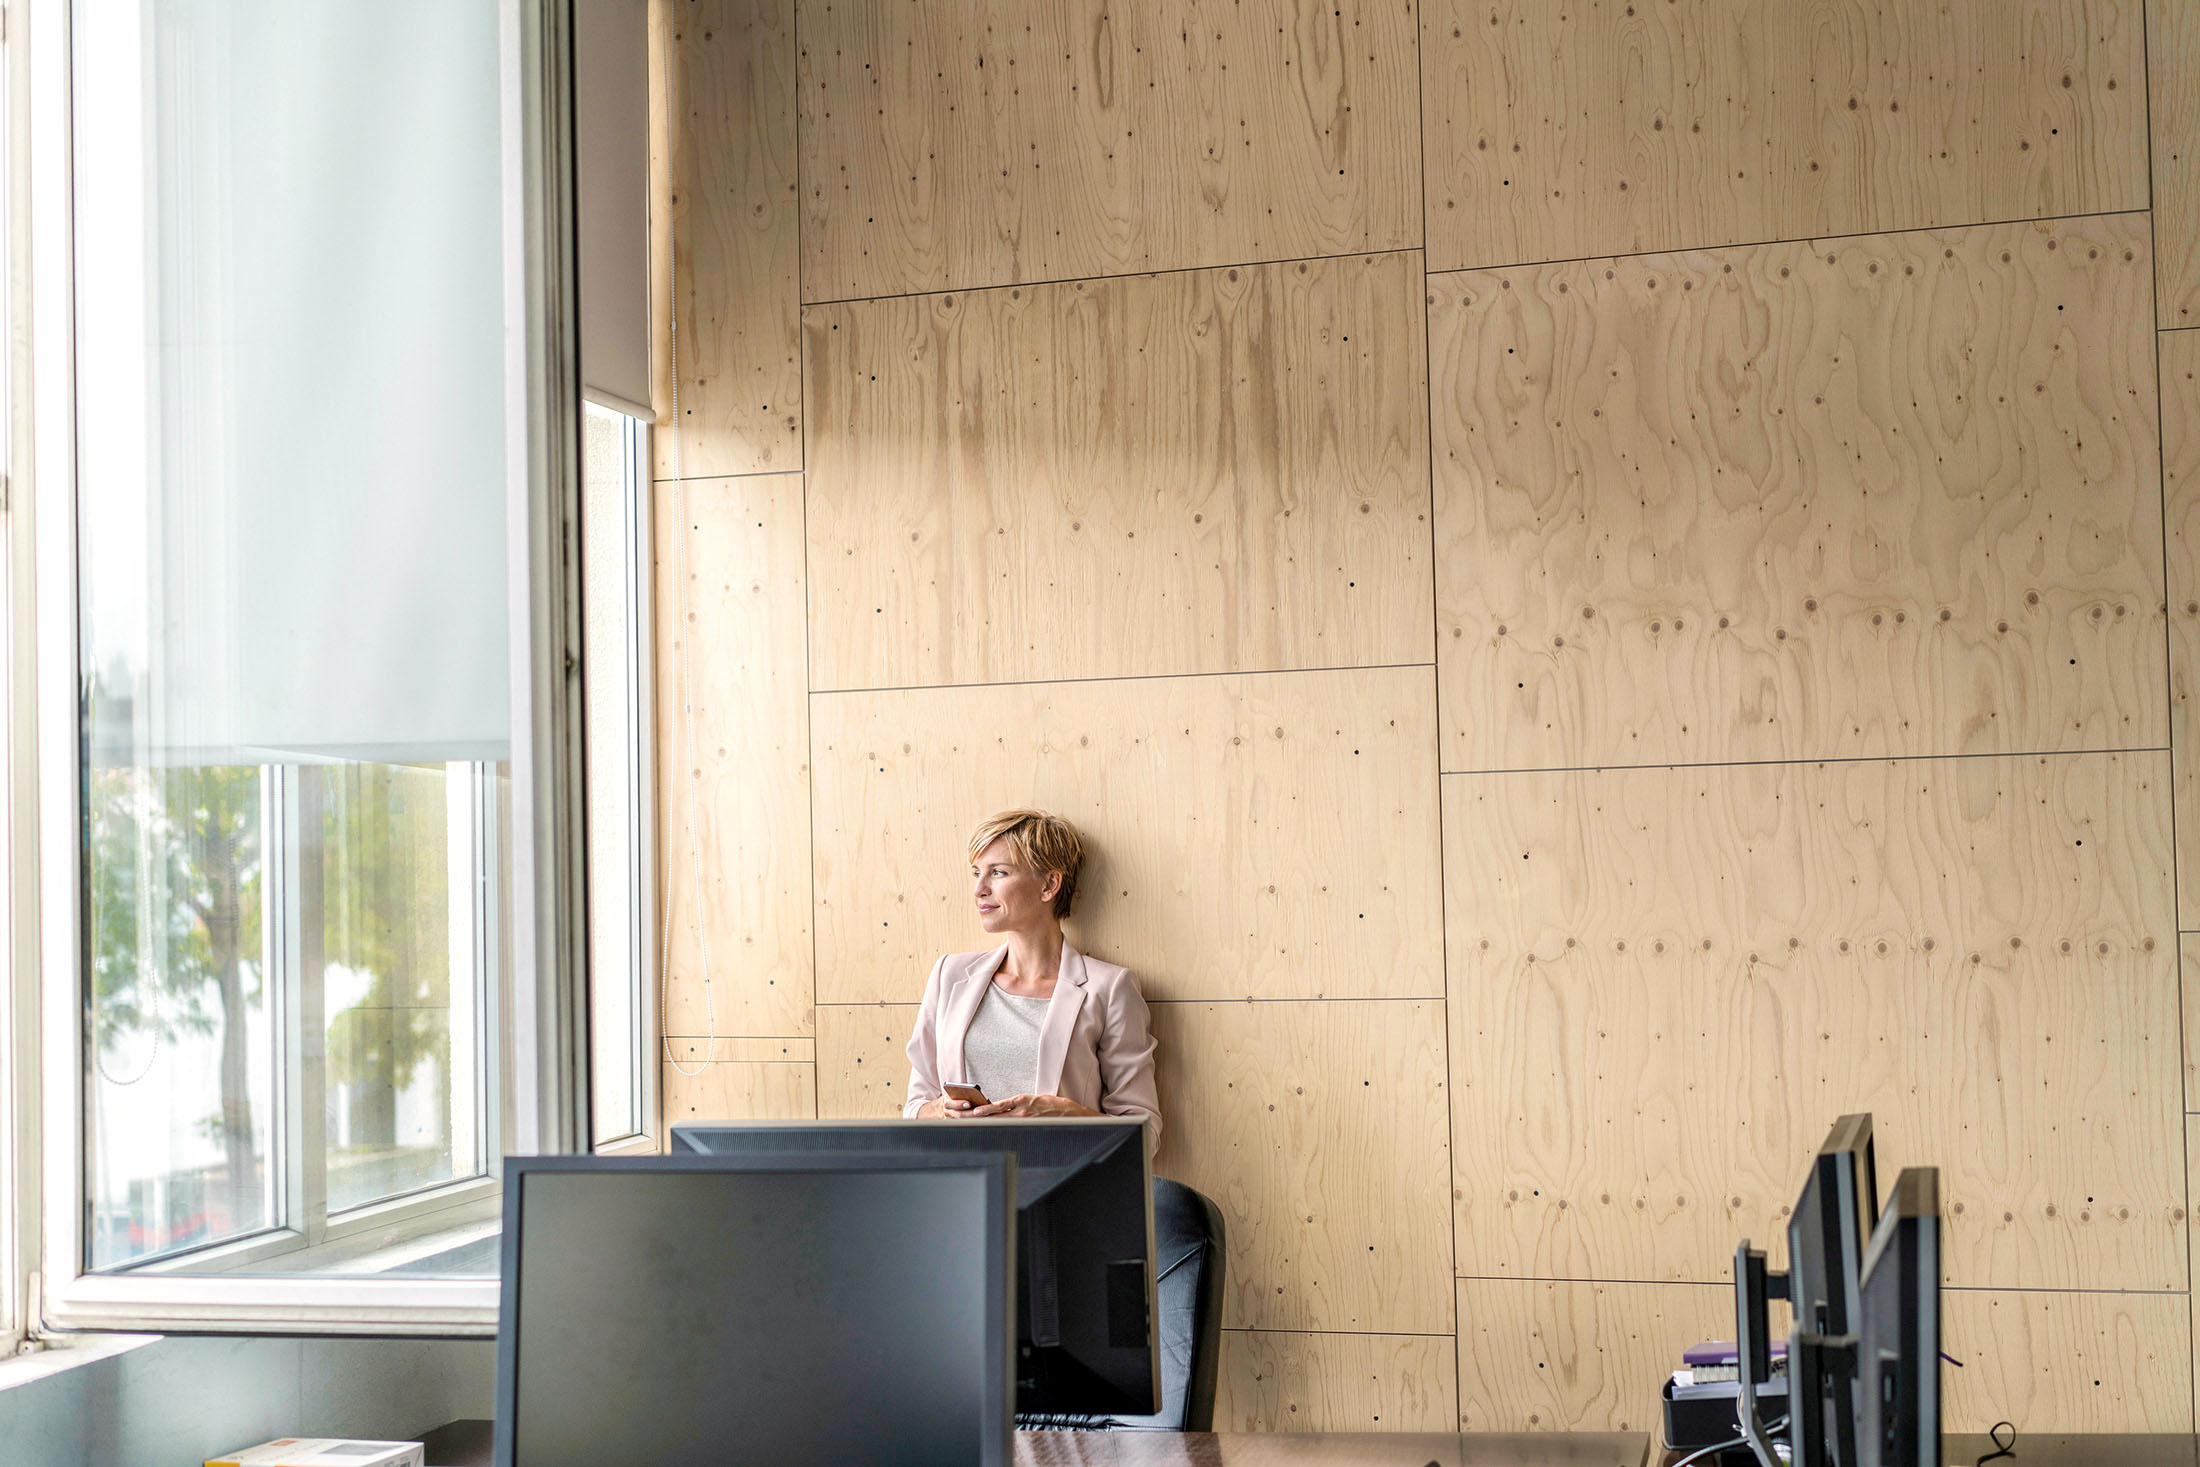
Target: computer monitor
(1898,1331)
(1085,1338)
(692,1310)
(1836,1213)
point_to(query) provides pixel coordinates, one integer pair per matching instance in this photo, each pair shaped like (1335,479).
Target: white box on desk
(323,1451)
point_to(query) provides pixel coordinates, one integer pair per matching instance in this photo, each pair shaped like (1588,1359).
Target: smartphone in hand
(967,1094)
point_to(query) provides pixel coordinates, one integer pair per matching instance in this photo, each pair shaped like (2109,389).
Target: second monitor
(1086,1343)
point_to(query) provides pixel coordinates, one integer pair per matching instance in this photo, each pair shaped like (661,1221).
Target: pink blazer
(1095,1046)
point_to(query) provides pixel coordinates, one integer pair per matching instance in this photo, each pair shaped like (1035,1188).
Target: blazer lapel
(1061,1020)
(962,1007)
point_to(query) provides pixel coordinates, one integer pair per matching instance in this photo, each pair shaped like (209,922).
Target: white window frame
(18,947)
(545,1105)
(636,560)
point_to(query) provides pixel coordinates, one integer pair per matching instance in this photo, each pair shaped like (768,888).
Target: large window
(308,716)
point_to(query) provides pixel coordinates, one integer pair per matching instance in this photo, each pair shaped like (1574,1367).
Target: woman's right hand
(943,1108)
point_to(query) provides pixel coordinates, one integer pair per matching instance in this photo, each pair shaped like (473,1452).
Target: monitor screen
(703,1310)
(1898,1334)
(1833,1218)
(1084,1235)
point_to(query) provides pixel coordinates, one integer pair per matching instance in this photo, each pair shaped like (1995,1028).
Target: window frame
(544,1104)
(639,779)
(19,1111)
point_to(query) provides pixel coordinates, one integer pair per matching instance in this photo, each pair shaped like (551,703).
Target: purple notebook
(1722,1352)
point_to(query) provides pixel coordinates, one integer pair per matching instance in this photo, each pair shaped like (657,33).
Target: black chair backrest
(1189,1267)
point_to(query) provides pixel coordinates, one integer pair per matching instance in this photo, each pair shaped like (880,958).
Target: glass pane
(182,1073)
(610,570)
(386,980)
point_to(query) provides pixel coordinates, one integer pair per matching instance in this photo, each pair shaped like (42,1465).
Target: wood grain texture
(1894,495)
(1666,984)
(2173,91)
(728,190)
(1571,1355)
(1319,1130)
(1597,1352)
(1275,1381)
(950,145)
(1271,836)
(2188,968)
(1213,471)
(863,1058)
(747,1079)
(1560,131)
(2067,1362)
(733,817)
(2180,387)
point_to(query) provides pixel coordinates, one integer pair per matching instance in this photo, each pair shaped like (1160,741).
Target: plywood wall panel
(1597,1352)
(2057,1362)
(1276,1381)
(1541,1355)
(1271,836)
(733,329)
(2180,387)
(863,1059)
(1562,131)
(1213,471)
(746,1079)
(951,146)
(733,817)
(1319,1129)
(1894,495)
(2173,88)
(2188,967)
(1666,984)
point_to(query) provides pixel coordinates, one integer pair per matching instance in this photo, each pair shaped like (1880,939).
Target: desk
(467,1444)
(1339,1449)
(2049,1450)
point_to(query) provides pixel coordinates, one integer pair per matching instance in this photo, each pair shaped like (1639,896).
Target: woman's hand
(1034,1105)
(947,1108)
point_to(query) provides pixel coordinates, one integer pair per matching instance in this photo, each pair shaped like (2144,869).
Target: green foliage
(175,892)
(387,915)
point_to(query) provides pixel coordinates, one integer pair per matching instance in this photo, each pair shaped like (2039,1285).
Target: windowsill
(68,1352)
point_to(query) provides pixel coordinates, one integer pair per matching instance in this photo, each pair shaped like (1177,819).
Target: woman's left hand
(1034,1105)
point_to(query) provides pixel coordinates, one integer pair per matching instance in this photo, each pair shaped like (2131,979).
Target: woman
(1042,1029)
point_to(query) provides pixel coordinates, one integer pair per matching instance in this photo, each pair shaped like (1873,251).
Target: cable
(687,702)
(2005,1448)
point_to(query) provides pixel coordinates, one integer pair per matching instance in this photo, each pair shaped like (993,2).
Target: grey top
(1001,1051)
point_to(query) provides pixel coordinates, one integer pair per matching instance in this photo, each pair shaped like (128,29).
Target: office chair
(1189,1267)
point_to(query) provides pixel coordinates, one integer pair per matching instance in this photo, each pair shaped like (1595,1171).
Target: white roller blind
(611,133)
(291,367)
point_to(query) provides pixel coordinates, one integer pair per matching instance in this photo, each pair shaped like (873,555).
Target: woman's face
(1009,897)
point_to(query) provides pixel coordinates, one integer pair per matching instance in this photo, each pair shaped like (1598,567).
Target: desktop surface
(2059,1449)
(466,1444)
(1330,1449)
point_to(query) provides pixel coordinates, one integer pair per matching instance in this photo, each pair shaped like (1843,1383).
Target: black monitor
(692,1310)
(1834,1216)
(1085,1341)
(1898,1331)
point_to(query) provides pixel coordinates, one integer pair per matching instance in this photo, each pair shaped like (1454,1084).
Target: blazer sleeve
(1126,1061)
(924,1078)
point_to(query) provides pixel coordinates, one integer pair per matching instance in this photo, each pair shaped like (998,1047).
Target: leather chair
(1188,1278)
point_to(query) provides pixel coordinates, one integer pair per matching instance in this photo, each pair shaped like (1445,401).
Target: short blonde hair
(1043,844)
